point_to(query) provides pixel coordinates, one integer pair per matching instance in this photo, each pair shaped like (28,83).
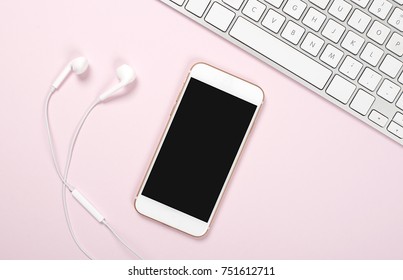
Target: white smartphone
(197,153)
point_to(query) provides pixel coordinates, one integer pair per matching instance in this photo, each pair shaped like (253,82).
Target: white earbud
(126,75)
(78,65)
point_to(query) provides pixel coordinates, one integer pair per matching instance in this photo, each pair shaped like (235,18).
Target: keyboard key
(362,3)
(273,21)
(371,54)
(333,31)
(294,8)
(292,32)
(341,89)
(359,20)
(396,19)
(220,17)
(352,42)
(378,32)
(280,53)
(362,102)
(350,67)
(398,118)
(236,4)
(254,9)
(197,7)
(380,8)
(370,79)
(340,9)
(378,118)
(396,129)
(178,2)
(388,91)
(399,2)
(275,3)
(391,66)
(395,44)
(312,44)
(401,79)
(399,103)
(331,56)
(320,3)
(314,19)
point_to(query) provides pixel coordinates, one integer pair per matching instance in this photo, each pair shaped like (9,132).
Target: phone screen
(199,150)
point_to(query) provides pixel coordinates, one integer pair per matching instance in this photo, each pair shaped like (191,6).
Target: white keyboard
(349,52)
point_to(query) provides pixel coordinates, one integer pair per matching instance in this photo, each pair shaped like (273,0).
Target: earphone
(126,76)
(78,65)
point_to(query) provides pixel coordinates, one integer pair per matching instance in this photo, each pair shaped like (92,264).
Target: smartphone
(197,153)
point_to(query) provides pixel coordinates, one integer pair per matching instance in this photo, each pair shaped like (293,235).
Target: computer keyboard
(349,52)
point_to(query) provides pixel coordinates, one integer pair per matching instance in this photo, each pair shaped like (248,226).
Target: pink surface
(312,183)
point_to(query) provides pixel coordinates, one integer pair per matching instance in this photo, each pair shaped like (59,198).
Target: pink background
(312,183)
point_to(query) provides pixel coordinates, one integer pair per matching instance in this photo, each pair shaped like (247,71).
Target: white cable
(120,239)
(50,139)
(66,171)
(68,163)
(66,185)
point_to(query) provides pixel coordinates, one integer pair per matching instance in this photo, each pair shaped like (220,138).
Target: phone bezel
(231,85)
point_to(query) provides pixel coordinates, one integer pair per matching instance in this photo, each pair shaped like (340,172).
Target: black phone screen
(199,150)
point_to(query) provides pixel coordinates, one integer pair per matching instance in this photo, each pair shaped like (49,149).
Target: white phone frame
(231,85)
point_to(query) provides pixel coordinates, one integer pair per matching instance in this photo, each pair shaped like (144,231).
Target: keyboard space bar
(280,53)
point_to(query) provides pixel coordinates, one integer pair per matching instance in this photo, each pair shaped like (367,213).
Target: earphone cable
(66,185)
(68,163)
(120,239)
(66,171)
(50,140)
